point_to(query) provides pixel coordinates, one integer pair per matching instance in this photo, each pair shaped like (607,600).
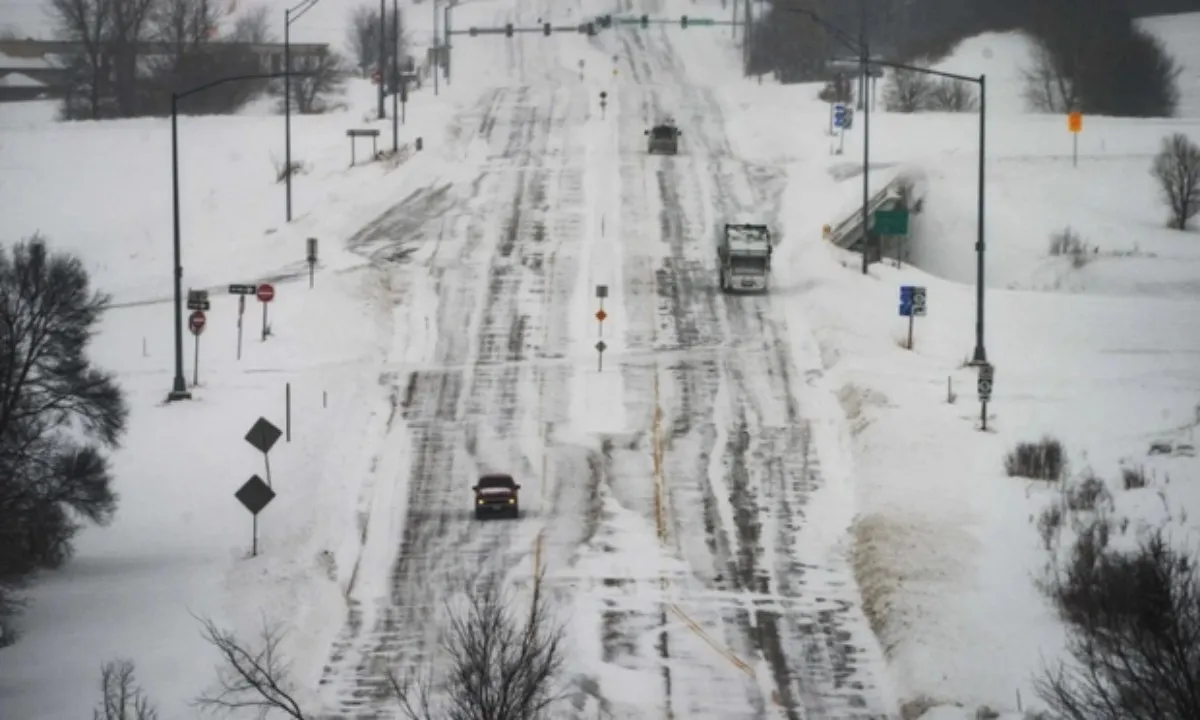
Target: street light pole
(382,56)
(864,57)
(303,7)
(287,108)
(980,355)
(395,76)
(179,389)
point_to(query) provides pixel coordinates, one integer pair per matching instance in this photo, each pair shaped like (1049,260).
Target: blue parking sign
(839,115)
(906,300)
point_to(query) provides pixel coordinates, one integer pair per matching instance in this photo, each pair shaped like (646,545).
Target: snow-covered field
(400,389)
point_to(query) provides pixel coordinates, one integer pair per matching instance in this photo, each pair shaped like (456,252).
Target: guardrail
(848,232)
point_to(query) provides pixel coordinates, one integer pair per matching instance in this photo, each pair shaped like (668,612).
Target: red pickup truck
(496,495)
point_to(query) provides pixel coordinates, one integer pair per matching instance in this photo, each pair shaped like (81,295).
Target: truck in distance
(744,257)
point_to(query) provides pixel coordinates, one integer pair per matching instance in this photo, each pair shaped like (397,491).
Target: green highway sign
(891,222)
(700,21)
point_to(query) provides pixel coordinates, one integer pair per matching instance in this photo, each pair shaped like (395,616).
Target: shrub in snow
(122,698)
(1067,242)
(1133,478)
(1041,460)
(1049,524)
(60,413)
(907,91)
(1133,623)
(1087,495)
(949,95)
(1177,170)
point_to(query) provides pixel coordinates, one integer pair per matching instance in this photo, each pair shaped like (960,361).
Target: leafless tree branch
(250,677)
(122,697)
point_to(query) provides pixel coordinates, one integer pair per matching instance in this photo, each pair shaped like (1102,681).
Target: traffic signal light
(591,28)
(474,32)
(645,21)
(683,21)
(508,30)
(546,29)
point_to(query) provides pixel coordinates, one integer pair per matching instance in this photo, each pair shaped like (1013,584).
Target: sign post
(241,291)
(987,374)
(839,122)
(265,294)
(312,260)
(603,102)
(196,324)
(262,437)
(601,293)
(1075,126)
(912,305)
(255,495)
(600,348)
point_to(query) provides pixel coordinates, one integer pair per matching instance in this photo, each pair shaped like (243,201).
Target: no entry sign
(266,292)
(196,322)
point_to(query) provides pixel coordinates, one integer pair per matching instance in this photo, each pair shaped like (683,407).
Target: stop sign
(266,292)
(196,322)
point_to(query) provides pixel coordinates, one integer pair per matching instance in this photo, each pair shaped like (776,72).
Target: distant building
(30,69)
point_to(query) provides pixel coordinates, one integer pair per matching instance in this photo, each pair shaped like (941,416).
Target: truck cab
(664,138)
(744,258)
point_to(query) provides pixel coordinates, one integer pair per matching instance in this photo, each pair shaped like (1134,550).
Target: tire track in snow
(463,422)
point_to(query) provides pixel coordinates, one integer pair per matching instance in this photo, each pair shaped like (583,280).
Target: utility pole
(437,49)
(446,37)
(866,184)
(395,76)
(382,56)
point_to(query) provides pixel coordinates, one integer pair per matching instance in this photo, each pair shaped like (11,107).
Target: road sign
(891,222)
(255,495)
(265,292)
(243,289)
(987,375)
(601,291)
(906,300)
(1075,122)
(198,300)
(263,435)
(918,302)
(600,315)
(311,247)
(839,115)
(196,322)
(601,347)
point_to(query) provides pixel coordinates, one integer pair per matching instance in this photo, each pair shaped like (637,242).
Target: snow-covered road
(676,530)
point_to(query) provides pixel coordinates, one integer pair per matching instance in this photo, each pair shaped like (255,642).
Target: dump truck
(744,257)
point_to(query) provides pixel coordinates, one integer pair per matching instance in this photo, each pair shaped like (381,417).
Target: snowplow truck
(744,258)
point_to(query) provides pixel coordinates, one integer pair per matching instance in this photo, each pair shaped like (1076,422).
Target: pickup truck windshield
(748,265)
(495,482)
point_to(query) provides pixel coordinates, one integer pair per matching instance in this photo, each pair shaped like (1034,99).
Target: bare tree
(326,77)
(907,91)
(254,26)
(1133,625)
(502,662)
(949,95)
(86,23)
(254,678)
(123,698)
(362,36)
(130,24)
(1046,87)
(1177,169)
(837,90)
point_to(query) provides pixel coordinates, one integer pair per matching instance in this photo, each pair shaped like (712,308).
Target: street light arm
(302,7)
(233,78)
(927,71)
(838,34)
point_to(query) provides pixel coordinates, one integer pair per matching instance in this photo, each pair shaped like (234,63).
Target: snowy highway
(678,528)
